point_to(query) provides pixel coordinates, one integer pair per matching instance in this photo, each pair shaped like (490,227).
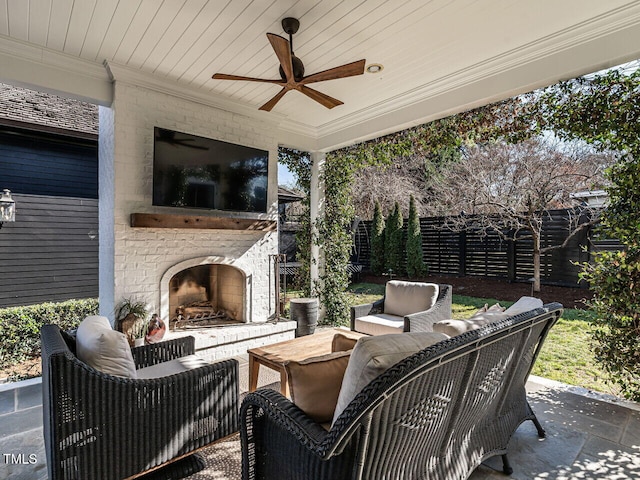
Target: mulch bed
(483,287)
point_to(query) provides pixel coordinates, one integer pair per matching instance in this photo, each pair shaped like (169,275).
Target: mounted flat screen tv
(196,172)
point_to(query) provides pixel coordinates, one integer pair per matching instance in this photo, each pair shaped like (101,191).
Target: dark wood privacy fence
(50,253)
(475,254)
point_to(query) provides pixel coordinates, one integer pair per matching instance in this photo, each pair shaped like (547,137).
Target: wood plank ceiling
(423,44)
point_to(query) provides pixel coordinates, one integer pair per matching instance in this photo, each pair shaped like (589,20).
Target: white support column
(106,211)
(316,211)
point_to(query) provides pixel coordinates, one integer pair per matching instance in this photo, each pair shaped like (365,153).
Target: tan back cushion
(372,356)
(342,343)
(103,348)
(403,298)
(314,383)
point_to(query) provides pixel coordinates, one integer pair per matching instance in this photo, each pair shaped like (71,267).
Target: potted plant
(132,320)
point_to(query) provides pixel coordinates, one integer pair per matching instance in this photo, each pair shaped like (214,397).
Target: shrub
(614,278)
(394,241)
(415,262)
(377,241)
(20,326)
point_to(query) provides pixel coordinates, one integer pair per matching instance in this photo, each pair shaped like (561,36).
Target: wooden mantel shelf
(162,220)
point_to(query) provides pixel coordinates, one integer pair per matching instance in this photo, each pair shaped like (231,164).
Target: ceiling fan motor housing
(298,69)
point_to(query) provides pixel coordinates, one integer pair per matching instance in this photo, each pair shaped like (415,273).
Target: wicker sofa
(436,414)
(374,318)
(103,426)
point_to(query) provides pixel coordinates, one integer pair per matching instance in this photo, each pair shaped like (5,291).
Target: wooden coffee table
(276,355)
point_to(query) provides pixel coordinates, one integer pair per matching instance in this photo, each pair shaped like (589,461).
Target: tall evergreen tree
(377,241)
(394,241)
(415,262)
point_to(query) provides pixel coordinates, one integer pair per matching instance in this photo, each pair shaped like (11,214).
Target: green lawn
(565,357)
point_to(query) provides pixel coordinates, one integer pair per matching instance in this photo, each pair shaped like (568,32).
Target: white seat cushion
(404,298)
(372,356)
(379,324)
(178,365)
(101,347)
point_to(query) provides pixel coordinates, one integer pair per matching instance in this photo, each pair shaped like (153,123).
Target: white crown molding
(32,65)
(124,74)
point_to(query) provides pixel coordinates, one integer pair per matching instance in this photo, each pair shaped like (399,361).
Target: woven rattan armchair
(436,414)
(98,426)
(415,322)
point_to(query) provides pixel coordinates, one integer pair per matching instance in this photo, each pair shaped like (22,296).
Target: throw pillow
(493,308)
(403,298)
(523,305)
(101,347)
(342,343)
(314,383)
(453,328)
(372,356)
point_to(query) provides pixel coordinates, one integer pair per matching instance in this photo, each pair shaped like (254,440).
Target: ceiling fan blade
(283,51)
(224,76)
(348,70)
(272,103)
(320,97)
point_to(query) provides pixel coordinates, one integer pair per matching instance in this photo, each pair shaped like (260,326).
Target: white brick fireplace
(139,262)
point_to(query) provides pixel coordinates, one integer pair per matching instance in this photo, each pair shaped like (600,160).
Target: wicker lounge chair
(101,426)
(436,414)
(412,322)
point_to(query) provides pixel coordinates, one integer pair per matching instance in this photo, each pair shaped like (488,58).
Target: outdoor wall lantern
(7,208)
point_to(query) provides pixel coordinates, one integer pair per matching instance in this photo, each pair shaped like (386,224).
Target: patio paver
(588,437)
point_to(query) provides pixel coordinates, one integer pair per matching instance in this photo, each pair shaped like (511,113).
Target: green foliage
(444,139)
(20,326)
(299,163)
(377,241)
(133,307)
(415,262)
(334,237)
(615,279)
(622,215)
(394,241)
(604,110)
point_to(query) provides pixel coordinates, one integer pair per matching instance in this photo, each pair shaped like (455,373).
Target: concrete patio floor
(589,436)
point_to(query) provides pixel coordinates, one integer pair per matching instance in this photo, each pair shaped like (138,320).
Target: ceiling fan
(292,70)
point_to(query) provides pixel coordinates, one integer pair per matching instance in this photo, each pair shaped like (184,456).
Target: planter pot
(304,311)
(138,342)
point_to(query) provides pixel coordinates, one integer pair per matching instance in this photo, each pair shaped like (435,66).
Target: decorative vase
(157,329)
(138,342)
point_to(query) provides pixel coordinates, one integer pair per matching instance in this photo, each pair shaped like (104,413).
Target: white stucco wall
(134,260)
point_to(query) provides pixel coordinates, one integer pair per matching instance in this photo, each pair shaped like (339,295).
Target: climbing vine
(299,163)
(334,237)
